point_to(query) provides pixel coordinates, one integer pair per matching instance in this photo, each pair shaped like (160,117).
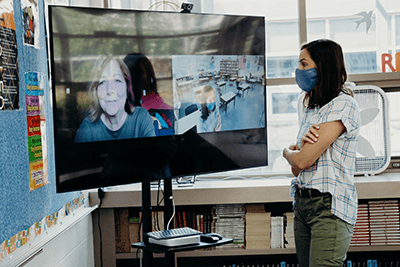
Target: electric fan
(373,152)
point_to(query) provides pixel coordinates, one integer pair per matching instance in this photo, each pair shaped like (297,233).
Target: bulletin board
(27,168)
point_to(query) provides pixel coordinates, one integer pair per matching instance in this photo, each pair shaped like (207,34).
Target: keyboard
(175,237)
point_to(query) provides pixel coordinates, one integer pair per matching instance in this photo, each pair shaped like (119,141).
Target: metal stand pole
(168,212)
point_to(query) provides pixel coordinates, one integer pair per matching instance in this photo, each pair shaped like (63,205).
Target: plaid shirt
(333,172)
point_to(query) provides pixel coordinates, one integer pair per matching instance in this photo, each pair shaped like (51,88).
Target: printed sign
(36,130)
(8,58)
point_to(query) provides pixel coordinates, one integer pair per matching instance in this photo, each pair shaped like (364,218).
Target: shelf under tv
(250,252)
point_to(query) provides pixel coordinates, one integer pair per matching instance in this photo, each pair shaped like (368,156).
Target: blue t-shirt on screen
(137,124)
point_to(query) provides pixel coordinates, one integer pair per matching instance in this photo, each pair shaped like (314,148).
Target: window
(364,29)
(282,44)
(394,114)
(79,2)
(397,30)
(282,124)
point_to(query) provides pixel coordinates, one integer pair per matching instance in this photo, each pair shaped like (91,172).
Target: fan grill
(373,154)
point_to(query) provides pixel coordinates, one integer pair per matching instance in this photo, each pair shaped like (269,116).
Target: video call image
(118,100)
(218,93)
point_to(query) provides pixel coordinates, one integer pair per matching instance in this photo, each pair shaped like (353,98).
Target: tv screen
(145,95)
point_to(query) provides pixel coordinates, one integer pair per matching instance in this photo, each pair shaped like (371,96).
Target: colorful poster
(30,20)
(36,130)
(27,235)
(8,58)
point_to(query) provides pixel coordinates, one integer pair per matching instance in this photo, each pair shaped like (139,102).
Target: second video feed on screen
(218,93)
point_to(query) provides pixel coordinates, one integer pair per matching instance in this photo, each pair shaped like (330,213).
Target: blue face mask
(306,79)
(211,106)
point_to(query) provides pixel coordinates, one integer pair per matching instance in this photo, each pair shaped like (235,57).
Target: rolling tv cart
(149,249)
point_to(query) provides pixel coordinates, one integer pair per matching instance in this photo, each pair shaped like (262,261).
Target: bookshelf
(229,67)
(274,192)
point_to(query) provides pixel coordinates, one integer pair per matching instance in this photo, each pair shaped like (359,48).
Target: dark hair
(142,75)
(101,63)
(329,60)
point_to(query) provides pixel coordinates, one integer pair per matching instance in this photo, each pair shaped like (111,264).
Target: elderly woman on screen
(112,114)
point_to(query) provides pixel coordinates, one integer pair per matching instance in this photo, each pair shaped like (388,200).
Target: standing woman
(323,158)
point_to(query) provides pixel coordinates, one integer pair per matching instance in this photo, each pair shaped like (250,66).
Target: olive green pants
(321,238)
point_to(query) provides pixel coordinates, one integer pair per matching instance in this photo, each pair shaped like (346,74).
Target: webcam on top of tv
(186,7)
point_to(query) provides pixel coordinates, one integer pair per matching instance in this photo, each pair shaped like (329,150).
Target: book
(277,238)
(202,223)
(229,221)
(255,208)
(258,228)
(194,226)
(179,219)
(289,233)
(198,228)
(184,219)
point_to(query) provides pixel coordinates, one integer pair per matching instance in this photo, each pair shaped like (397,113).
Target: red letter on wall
(387,59)
(398,61)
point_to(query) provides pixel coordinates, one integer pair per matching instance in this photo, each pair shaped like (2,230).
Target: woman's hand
(294,147)
(286,152)
(311,136)
(326,133)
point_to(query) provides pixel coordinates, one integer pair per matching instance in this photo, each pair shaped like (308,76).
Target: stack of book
(230,223)
(361,231)
(277,232)
(384,222)
(258,227)
(289,232)
(198,220)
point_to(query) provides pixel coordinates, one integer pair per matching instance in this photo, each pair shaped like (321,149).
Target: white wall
(74,247)
(69,245)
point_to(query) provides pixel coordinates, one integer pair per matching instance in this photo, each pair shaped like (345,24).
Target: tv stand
(146,221)
(149,249)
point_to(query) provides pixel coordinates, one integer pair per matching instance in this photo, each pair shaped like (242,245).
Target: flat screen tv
(146,95)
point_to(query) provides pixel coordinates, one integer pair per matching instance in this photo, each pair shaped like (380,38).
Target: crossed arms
(314,143)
